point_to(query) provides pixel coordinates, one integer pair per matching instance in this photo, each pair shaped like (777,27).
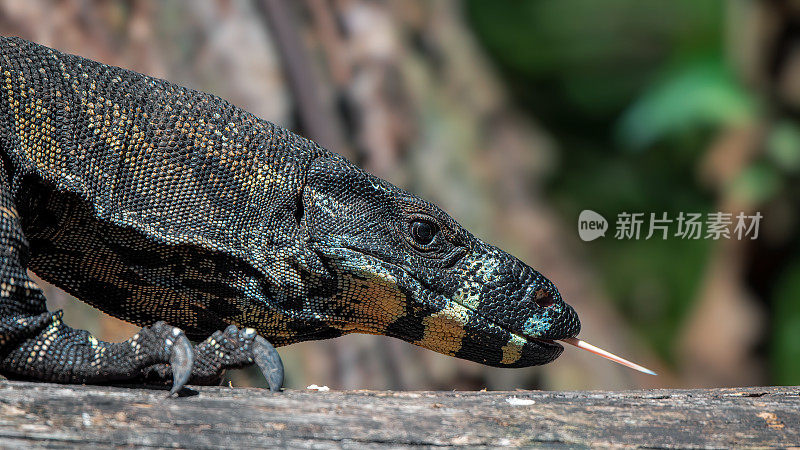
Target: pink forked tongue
(599,351)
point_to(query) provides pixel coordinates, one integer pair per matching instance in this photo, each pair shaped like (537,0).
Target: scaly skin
(162,205)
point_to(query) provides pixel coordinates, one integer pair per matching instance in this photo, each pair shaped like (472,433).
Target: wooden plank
(41,414)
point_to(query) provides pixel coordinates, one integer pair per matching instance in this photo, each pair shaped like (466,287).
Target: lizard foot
(232,348)
(235,348)
(180,351)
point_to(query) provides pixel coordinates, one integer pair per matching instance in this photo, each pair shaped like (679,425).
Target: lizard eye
(423,232)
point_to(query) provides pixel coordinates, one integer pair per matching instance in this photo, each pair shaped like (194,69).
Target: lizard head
(402,267)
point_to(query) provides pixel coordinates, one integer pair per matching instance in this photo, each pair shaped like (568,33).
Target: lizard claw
(181,360)
(269,361)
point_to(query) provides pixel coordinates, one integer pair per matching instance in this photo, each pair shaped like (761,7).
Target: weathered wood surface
(37,414)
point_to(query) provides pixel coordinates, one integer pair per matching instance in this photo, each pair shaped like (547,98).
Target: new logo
(591,225)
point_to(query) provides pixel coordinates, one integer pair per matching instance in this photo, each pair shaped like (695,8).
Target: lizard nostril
(543,298)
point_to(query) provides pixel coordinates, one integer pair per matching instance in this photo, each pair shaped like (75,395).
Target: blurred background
(515,116)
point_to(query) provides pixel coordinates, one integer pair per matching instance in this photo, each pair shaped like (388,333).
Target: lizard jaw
(450,326)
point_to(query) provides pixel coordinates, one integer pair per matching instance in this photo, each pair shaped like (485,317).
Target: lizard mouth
(545,342)
(548,348)
(549,344)
(536,350)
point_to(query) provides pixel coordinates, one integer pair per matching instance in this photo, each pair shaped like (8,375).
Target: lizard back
(146,199)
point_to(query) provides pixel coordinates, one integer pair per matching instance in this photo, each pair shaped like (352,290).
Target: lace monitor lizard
(181,213)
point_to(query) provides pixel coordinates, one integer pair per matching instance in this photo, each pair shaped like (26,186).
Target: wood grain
(40,414)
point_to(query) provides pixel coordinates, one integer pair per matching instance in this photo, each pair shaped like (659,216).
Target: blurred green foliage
(581,61)
(696,96)
(609,77)
(783,146)
(785,342)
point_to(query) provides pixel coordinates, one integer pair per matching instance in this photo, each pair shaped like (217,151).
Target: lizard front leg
(35,344)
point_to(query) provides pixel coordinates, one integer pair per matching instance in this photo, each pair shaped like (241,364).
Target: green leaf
(783,146)
(698,96)
(756,184)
